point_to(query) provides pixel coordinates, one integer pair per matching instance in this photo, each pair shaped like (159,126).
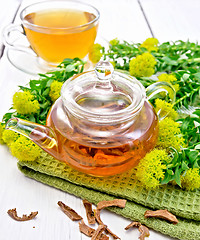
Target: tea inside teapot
(102,124)
(107,125)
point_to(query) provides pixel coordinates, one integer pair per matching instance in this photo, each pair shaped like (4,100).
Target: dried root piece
(98,233)
(104,237)
(107,230)
(89,212)
(88,231)
(164,214)
(69,212)
(133,224)
(111,233)
(114,203)
(13,214)
(97,216)
(144,232)
(85,229)
(104,204)
(99,221)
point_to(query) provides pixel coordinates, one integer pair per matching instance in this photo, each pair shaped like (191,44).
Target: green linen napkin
(184,204)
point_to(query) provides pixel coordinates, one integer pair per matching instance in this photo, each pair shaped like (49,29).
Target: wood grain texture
(8,12)
(118,18)
(124,19)
(172,20)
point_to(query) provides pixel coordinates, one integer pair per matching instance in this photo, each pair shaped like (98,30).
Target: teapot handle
(159,87)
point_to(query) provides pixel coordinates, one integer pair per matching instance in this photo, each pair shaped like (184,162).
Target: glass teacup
(56,30)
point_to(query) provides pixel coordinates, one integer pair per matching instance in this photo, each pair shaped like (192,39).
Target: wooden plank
(8,12)
(119,18)
(173,19)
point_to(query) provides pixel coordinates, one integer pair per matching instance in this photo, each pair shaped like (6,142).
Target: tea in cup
(57,29)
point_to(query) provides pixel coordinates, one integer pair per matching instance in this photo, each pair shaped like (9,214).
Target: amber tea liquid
(58,35)
(122,150)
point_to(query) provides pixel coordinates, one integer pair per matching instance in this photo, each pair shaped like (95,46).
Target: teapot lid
(103,93)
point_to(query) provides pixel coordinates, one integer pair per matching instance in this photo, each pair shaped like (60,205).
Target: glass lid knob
(104,70)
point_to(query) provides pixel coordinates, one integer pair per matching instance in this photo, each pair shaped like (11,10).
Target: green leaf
(67,61)
(49,82)
(167,179)
(177,176)
(23,88)
(184,166)
(192,155)
(169,61)
(31,118)
(197,112)
(196,165)
(70,68)
(186,76)
(197,147)
(46,92)
(170,172)
(197,76)
(45,104)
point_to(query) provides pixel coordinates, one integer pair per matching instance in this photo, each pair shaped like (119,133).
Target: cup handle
(159,87)
(8,42)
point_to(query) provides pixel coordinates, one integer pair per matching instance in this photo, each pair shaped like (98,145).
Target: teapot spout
(43,136)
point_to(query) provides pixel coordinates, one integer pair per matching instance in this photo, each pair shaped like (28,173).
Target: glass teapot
(102,124)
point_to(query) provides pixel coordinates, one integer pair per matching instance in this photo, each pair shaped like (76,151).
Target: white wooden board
(124,19)
(172,20)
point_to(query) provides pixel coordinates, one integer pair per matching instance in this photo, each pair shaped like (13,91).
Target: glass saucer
(28,63)
(32,64)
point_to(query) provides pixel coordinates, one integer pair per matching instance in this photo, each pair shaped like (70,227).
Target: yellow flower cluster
(170,135)
(20,146)
(95,53)
(55,89)
(24,149)
(142,66)
(150,169)
(2,127)
(165,109)
(151,44)
(25,103)
(191,180)
(9,136)
(114,42)
(170,78)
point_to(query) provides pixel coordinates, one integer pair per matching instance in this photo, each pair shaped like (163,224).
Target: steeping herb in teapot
(102,124)
(106,149)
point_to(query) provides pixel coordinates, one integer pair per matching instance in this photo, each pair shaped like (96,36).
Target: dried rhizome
(164,214)
(94,216)
(97,234)
(143,229)
(13,214)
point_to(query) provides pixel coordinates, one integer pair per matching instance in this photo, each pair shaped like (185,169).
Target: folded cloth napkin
(184,204)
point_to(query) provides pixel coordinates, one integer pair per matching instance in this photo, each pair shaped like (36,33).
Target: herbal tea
(113,150)
(59,34)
